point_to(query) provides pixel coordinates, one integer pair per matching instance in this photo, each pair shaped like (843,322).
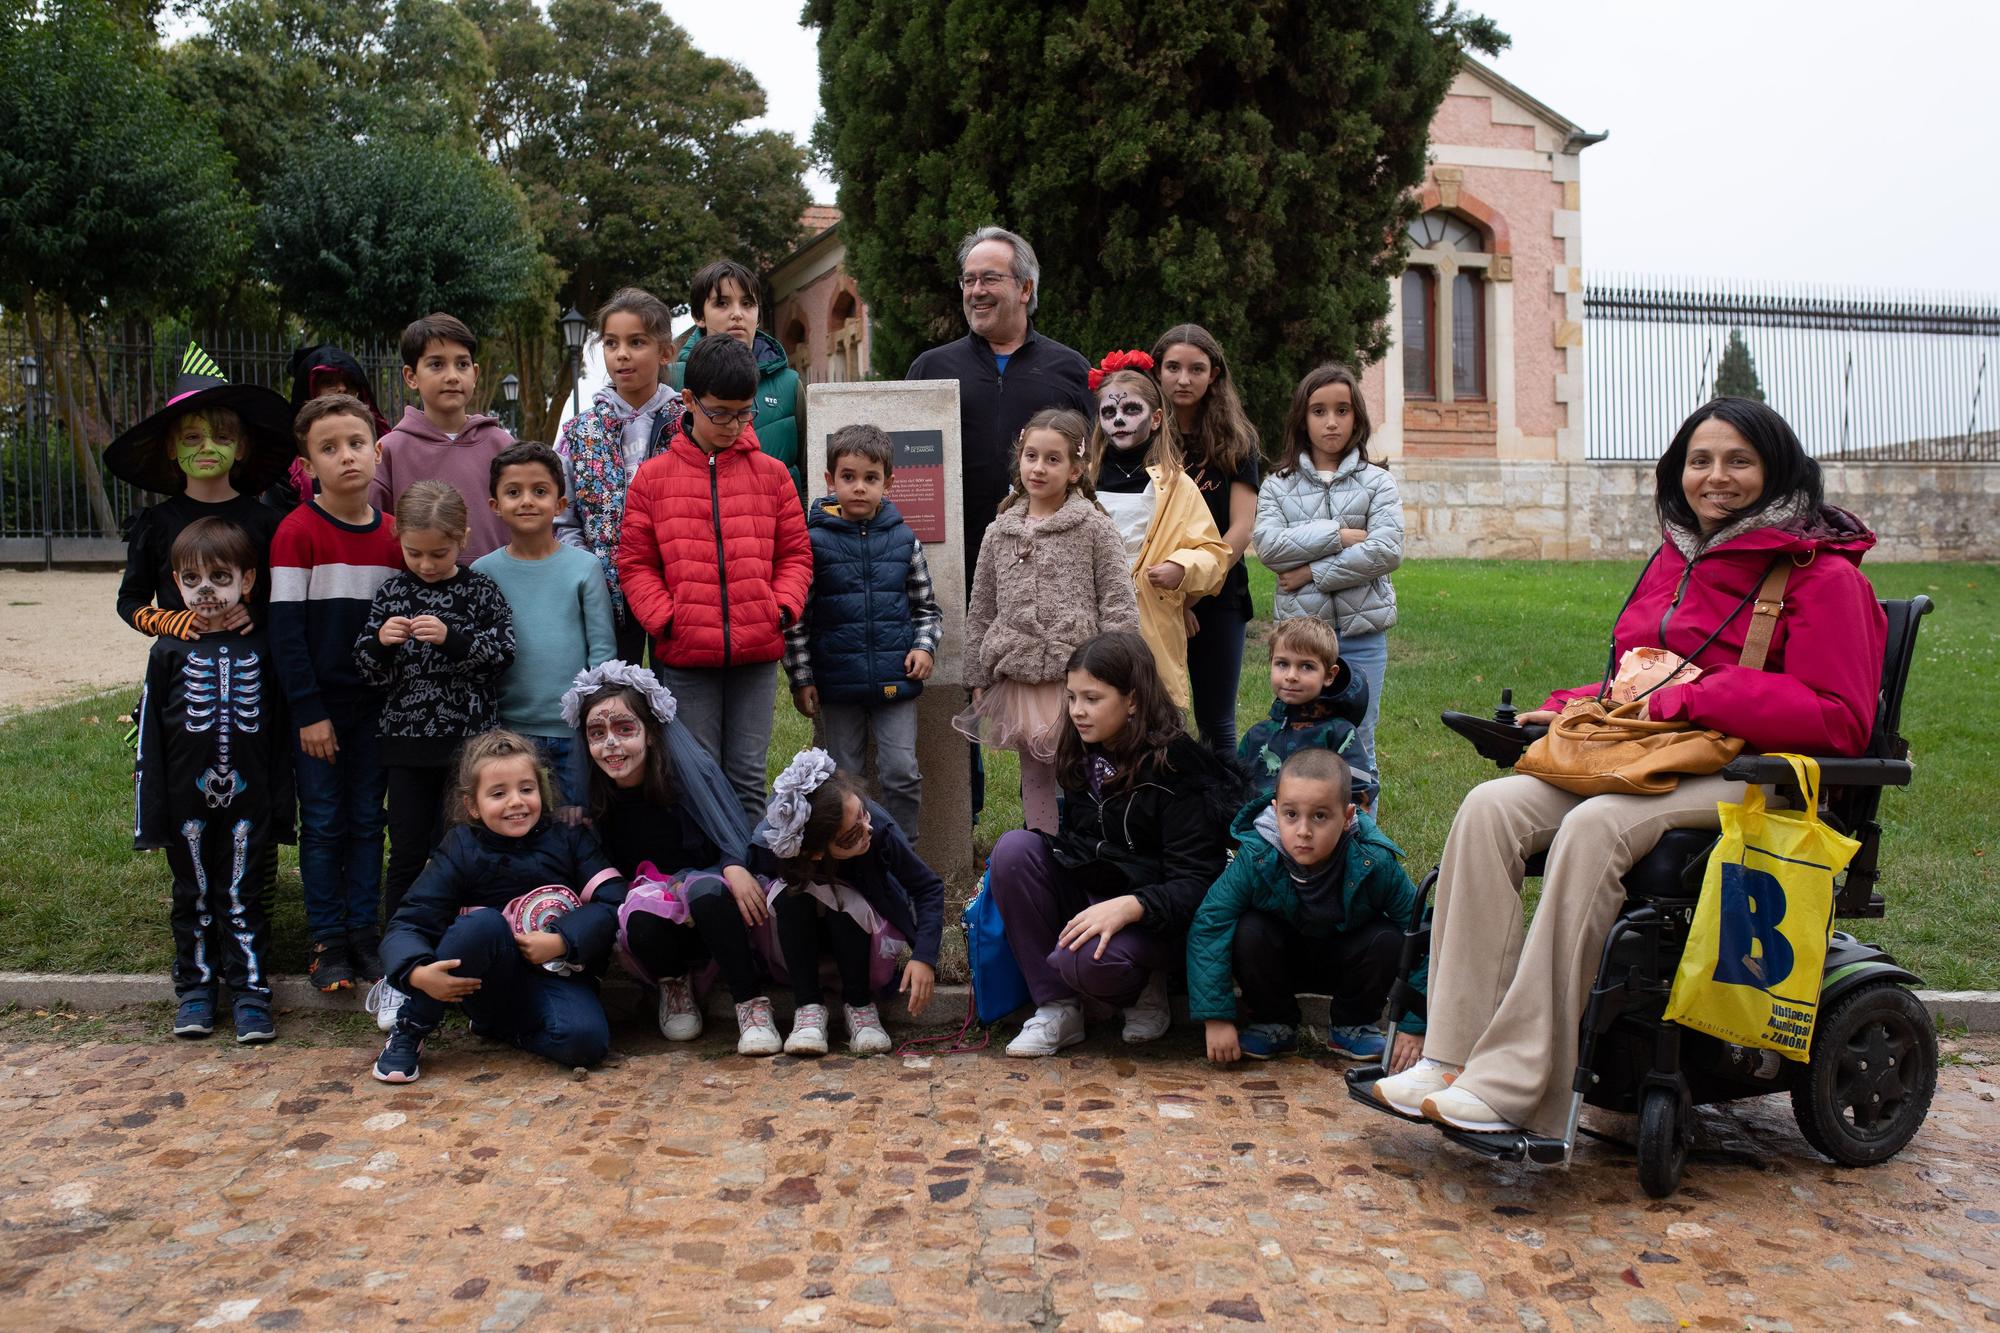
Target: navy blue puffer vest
(859,617)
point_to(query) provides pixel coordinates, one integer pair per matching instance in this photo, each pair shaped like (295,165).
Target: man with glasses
(1006,373)
(714,563)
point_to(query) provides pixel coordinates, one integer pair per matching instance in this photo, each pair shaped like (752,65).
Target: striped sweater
(324,574)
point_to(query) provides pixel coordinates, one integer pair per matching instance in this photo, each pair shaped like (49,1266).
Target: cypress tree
(1736,373)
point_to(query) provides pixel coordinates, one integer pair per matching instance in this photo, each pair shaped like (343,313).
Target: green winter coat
(780,401)
(1377,889)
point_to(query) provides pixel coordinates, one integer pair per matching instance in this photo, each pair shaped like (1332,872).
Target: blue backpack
(998,988)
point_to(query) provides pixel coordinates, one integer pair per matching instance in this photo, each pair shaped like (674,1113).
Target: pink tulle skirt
(1016,715)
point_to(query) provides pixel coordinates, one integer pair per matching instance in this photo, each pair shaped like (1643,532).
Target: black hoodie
(309,366)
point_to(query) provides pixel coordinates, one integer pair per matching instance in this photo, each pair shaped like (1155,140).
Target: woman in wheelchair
(1735,495)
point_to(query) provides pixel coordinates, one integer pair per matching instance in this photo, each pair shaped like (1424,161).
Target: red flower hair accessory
(1117,361)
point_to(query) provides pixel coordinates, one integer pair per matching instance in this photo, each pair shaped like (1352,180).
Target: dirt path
(207,1186)
(60,638)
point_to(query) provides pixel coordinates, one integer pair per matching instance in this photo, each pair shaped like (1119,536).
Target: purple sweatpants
(1036,898)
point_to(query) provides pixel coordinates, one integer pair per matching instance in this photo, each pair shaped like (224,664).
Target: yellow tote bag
(1752,968)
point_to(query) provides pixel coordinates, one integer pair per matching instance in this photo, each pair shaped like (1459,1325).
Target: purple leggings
(1036,898)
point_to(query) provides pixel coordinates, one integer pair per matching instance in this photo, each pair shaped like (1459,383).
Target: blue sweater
(562,625)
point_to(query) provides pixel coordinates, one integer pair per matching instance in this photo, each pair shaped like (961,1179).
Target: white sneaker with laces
(1462,1110)
(757,1032)
(385,1002)
(865,1034)
(1406,1091)
(1052,1027)
(808,1031)
(1147,1017)
(680,1016)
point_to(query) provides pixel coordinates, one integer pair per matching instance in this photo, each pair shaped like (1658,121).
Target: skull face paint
(203,451)
(1125,418)
(212,592)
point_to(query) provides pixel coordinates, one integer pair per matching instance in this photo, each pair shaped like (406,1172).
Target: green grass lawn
(74,897)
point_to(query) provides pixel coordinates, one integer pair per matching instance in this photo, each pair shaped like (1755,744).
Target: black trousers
(665,948)
(221,927)
(416,797)
(718,921)
(630,637)
(1274,962)
(805,931)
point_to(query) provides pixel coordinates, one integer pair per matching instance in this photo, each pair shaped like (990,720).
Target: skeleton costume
(214,791)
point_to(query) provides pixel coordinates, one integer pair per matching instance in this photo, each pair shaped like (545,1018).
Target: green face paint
(202,453)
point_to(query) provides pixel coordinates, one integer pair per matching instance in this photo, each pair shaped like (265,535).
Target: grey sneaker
(757,1033)
(680,1016)
(865,1035)
(808,1031)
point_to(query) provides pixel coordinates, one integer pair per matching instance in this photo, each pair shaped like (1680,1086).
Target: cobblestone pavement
(175,1186)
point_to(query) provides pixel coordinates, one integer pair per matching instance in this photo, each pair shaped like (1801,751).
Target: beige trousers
(1507,1007)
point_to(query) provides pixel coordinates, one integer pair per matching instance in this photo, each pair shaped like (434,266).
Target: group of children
(472,677)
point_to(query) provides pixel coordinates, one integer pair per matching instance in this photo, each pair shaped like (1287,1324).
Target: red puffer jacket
(1819,689)
(713,549)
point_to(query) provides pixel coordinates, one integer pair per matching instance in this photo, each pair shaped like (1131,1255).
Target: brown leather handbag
(1595,750)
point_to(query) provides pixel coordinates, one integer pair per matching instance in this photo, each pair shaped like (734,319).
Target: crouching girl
(512,920)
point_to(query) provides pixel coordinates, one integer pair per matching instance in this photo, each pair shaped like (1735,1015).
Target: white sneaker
(1147,1017)
(757,1033)
(1461,1110)
(385,1002)
(865,1035)
(808,1031)
(1406,1091)
(680,1016)
(1052,1027)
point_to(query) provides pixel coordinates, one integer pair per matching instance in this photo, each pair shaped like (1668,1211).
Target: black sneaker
(253,1021)
(196,1017)
(365,946)
(332,966)
(398,1061)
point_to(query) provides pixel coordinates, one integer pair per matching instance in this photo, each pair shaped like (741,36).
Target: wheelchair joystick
(1505,714)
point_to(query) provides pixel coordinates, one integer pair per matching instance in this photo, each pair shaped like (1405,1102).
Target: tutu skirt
(1016,715)
(655,894)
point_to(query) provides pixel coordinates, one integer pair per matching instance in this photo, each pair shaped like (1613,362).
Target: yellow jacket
(1183,532)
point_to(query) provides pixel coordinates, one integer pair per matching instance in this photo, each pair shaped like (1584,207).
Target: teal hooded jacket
(780,401)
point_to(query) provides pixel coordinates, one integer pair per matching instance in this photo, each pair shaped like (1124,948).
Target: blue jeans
(565,761)
(1215,669)
(557,1018)
(729,710)
(1368,654)
(340,826)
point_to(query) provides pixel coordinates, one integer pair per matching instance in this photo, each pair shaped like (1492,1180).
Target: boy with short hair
(715,564)
(439,440)
(328,558)
(213,785)
(1323,910)
(724,300)
(561,607)
(858,658)
(1318,702)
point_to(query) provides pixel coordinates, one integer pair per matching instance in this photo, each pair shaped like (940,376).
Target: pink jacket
(1819,688)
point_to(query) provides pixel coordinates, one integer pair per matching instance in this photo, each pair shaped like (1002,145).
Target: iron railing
(1861,375)
(56,501)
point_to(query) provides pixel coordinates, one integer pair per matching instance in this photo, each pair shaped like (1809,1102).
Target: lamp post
(510,394)
(573,327)
(31,383)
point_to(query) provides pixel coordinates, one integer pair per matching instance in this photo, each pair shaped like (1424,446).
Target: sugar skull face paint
(203,451)
(213,591)
(1125,418)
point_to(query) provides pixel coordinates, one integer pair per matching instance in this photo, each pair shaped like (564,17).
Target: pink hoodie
(416,450)
(1818,691)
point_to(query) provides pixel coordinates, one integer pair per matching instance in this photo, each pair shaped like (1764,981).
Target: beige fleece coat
(1041,590)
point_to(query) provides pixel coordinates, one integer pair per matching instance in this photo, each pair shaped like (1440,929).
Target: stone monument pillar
(921,416)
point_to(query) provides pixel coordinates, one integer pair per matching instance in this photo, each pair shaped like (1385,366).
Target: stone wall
(1531,509)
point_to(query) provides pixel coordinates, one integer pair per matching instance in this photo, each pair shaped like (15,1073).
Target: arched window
(844,342)
(1444,309)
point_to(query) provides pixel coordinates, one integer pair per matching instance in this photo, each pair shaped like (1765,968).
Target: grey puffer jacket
(1299,518)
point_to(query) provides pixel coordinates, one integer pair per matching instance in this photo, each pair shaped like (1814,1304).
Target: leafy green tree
(1736,373)
(362,236)
(1244,163)
(115,199)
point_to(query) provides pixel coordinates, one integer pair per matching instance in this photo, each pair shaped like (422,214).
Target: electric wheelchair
(1867,1085)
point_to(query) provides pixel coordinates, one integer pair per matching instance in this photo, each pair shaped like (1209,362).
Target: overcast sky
(1838,141)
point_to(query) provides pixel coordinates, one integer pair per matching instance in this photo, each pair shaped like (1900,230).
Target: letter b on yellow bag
(1751,972)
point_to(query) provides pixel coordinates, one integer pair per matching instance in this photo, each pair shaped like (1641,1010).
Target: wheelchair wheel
(1664,1131)
(1868,1086)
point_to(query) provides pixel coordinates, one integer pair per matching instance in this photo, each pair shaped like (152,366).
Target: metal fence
(1861,375)
(56,502)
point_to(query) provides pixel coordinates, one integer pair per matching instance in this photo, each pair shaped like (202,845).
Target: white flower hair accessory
(791,800)
(657,696)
